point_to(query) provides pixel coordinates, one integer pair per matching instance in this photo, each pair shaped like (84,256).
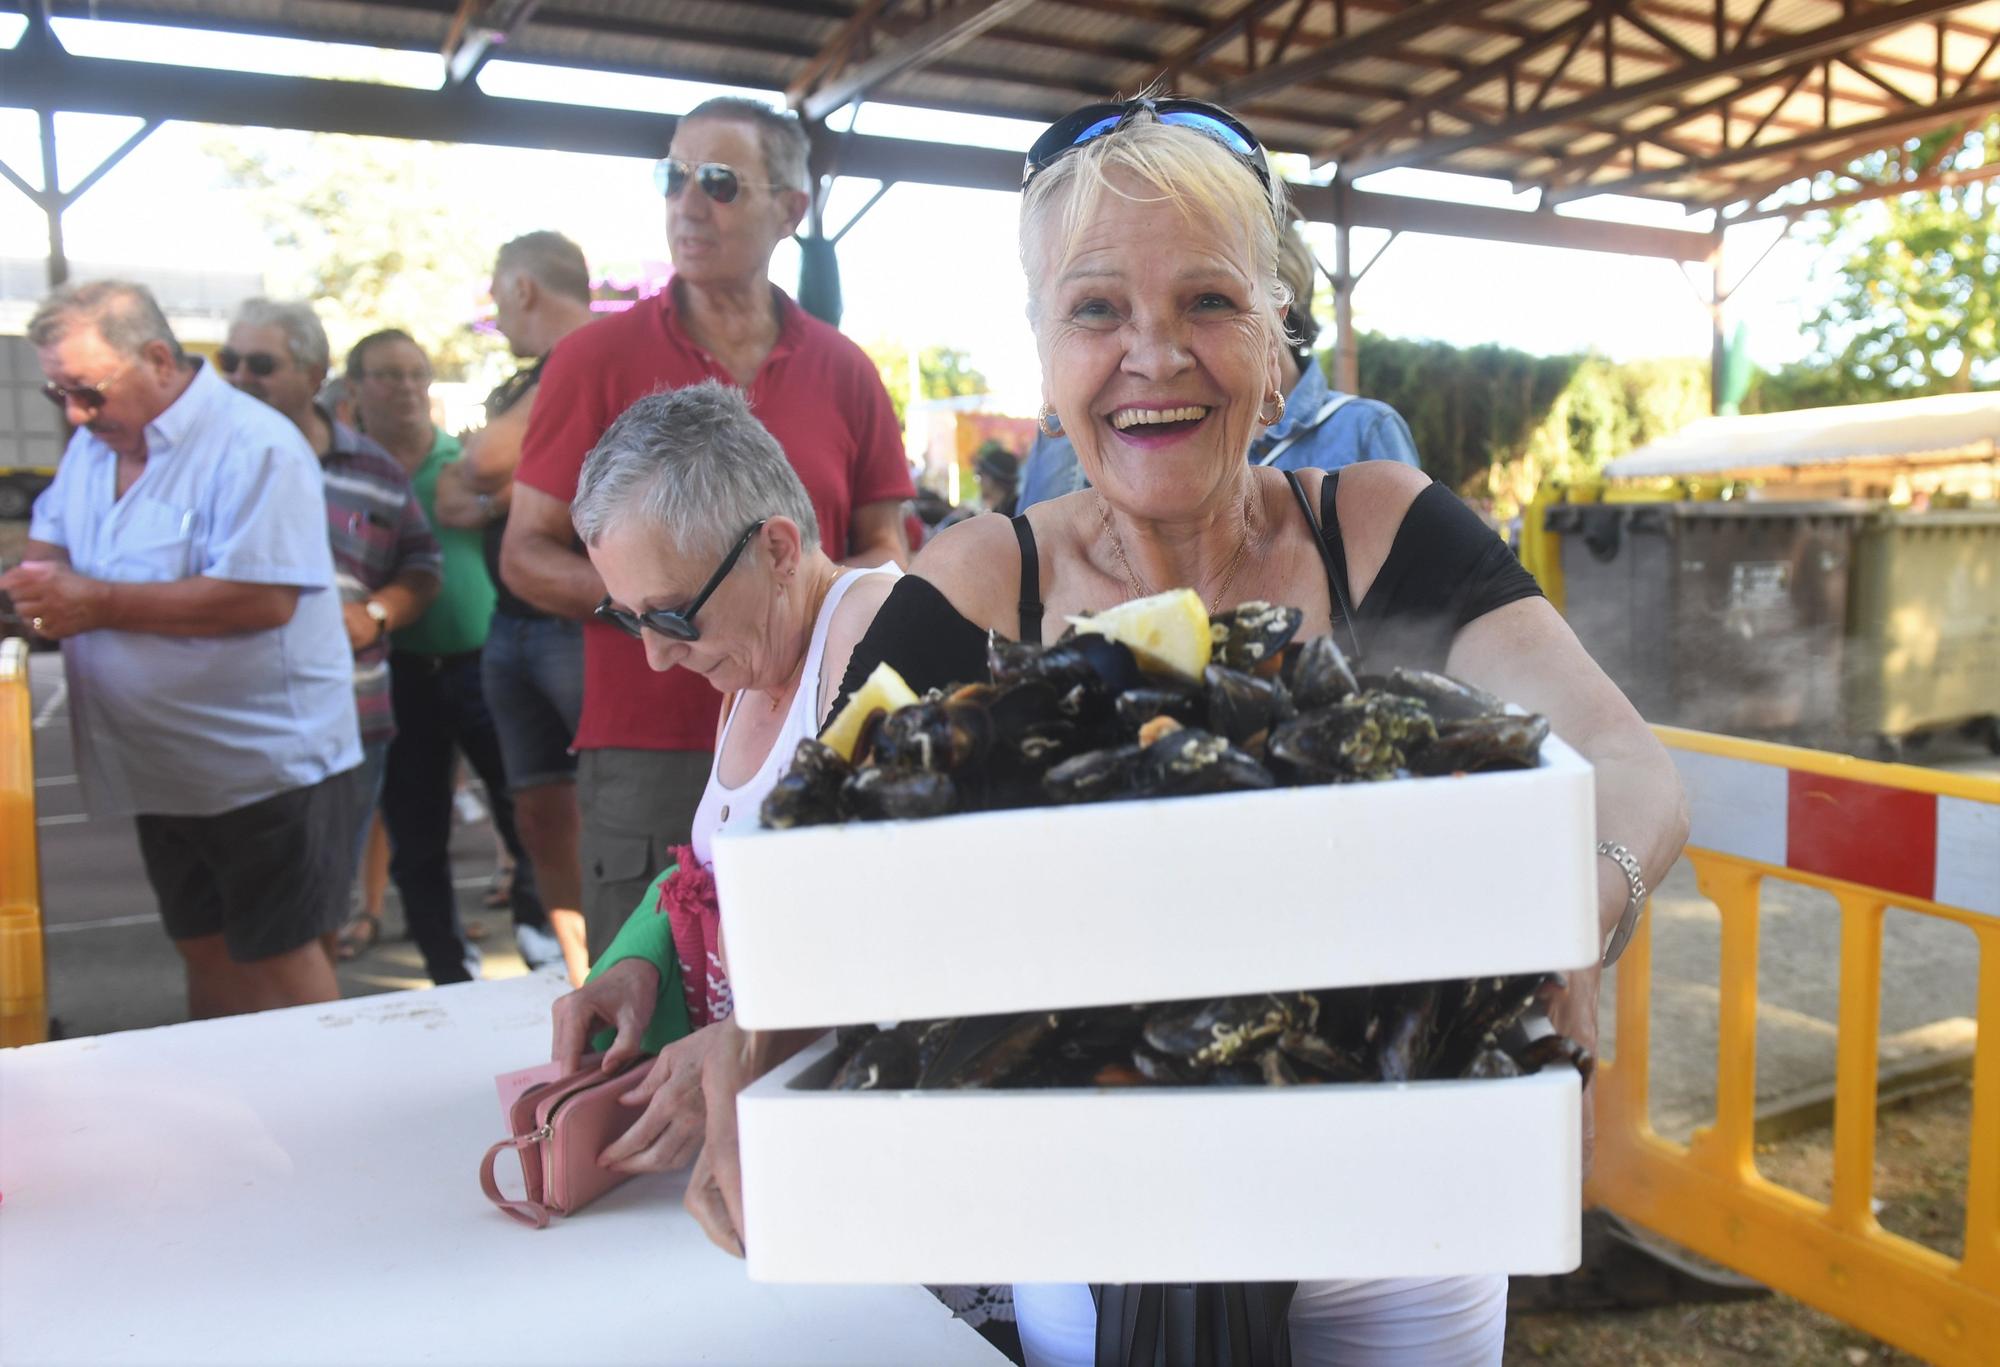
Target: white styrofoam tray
(1148,1184)
(1293,888)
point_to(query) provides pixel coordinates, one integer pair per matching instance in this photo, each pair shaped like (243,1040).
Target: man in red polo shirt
(734,182)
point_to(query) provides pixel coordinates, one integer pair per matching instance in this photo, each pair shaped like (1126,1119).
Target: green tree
(1915,306)
(944,372)
(361,233)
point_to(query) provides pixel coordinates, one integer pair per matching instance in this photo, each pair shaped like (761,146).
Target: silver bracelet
(1635,881)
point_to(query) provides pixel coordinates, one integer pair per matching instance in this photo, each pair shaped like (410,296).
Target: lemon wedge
(1167,632)
(884,691)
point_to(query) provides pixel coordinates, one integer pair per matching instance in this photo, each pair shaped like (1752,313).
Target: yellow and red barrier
(23,986)
(1874,836)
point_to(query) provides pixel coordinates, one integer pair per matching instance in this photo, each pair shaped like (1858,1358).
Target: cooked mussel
(1252,636)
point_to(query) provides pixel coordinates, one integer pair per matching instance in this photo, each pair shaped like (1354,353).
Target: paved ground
(110,968)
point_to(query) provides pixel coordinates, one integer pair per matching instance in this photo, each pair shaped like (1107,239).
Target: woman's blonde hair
(1177,165)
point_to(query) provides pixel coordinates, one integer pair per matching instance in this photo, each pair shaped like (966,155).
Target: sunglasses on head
(258,363)
(719,182)
(1093,121)
(676,623)
(88,397)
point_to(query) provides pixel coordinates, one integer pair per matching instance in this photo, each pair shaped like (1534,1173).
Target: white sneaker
(539,948)
(468,807)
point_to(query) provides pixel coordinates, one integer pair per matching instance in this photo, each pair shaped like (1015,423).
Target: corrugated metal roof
(1433,94)
(1944,426)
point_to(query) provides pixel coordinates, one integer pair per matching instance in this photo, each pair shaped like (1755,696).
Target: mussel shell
(885,1061)
(808,793)
(1242,706)
(1137,706)
(983,1051)
(1251,635)
(1191,761)
(878,794)
(1095,776)
(1202,1034)
(1496,742)
(1447,698)
(1087,671)
(940,736)
(1320,676)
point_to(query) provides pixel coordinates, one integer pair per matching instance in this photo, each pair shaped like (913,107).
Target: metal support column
(1347,347)
(51,198)
(1718,343)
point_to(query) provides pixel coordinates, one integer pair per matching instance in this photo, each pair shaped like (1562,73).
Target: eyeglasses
(397,376)
(719,182)
(677,623)
(1093,121)
(258,363)
(88,397)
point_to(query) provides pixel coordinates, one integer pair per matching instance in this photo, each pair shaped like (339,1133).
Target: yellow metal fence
(1873,836)
(23,990)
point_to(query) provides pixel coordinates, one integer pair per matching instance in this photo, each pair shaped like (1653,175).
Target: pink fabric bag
(559,1129)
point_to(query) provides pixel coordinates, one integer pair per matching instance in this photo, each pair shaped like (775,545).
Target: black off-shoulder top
(1444,569)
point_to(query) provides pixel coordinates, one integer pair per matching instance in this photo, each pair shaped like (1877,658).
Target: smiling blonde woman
(1149,235)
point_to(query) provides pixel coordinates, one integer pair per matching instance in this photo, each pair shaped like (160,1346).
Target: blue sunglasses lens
(1215,128)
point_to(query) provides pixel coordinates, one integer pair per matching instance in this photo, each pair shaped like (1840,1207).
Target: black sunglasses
(258,363)
(719,182)
(676,623)
(1093,121)
(89,397)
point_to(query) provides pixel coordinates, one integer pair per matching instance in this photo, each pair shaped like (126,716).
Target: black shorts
(268,877)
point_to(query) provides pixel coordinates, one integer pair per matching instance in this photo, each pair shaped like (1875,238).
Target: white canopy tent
(1943,429)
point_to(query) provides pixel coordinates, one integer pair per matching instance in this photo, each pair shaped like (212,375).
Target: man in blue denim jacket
(1321,428)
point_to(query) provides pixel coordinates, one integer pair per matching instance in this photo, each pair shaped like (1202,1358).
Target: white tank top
(720,804)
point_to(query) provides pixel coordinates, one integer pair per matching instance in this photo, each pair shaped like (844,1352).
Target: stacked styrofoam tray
(1290,889)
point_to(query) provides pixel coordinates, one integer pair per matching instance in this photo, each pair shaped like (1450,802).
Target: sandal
(359,936)
(499,889)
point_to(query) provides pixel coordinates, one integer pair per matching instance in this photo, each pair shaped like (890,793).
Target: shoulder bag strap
(1326,410)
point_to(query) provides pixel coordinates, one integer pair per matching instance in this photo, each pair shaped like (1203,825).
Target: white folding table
(300,1187)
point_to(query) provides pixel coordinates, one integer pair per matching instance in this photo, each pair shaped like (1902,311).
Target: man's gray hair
(779,133)
(304,337)
(123,313)
(550,260)
(694,463)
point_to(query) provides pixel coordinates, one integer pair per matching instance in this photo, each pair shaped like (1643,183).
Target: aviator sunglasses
(719,182)
(88,397)
(1093,121)
(258,363)
(676,623)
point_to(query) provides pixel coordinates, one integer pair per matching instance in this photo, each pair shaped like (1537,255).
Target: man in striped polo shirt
(386,561)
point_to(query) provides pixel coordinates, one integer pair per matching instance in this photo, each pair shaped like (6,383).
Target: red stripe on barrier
(1862,833)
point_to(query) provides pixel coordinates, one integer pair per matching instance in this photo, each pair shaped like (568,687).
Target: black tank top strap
(1031,581)
(1332,551)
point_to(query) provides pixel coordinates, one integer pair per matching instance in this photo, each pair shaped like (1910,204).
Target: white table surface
(301,1187)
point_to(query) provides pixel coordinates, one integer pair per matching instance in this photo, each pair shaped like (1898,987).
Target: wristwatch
(1635,900)
(379,614)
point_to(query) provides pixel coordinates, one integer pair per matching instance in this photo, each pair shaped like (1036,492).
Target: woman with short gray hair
(710,555)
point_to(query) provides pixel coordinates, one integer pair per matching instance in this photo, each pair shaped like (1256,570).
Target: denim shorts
(532,675)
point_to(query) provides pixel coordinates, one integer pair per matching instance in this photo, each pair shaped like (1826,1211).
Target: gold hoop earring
(1276,417)
(1042,421)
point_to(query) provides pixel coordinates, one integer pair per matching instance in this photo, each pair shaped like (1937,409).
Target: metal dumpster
(1727,617)
(1923,647)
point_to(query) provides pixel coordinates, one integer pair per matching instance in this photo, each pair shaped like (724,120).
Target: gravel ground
(1920,1181)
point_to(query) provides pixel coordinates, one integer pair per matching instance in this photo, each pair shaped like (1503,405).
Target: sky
(927,265)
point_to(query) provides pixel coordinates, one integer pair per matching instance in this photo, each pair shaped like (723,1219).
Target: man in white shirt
(181,559)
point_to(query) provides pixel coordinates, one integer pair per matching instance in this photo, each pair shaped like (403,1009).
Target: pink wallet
(559,1129)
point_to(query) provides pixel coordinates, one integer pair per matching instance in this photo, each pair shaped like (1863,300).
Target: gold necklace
(1142,590)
